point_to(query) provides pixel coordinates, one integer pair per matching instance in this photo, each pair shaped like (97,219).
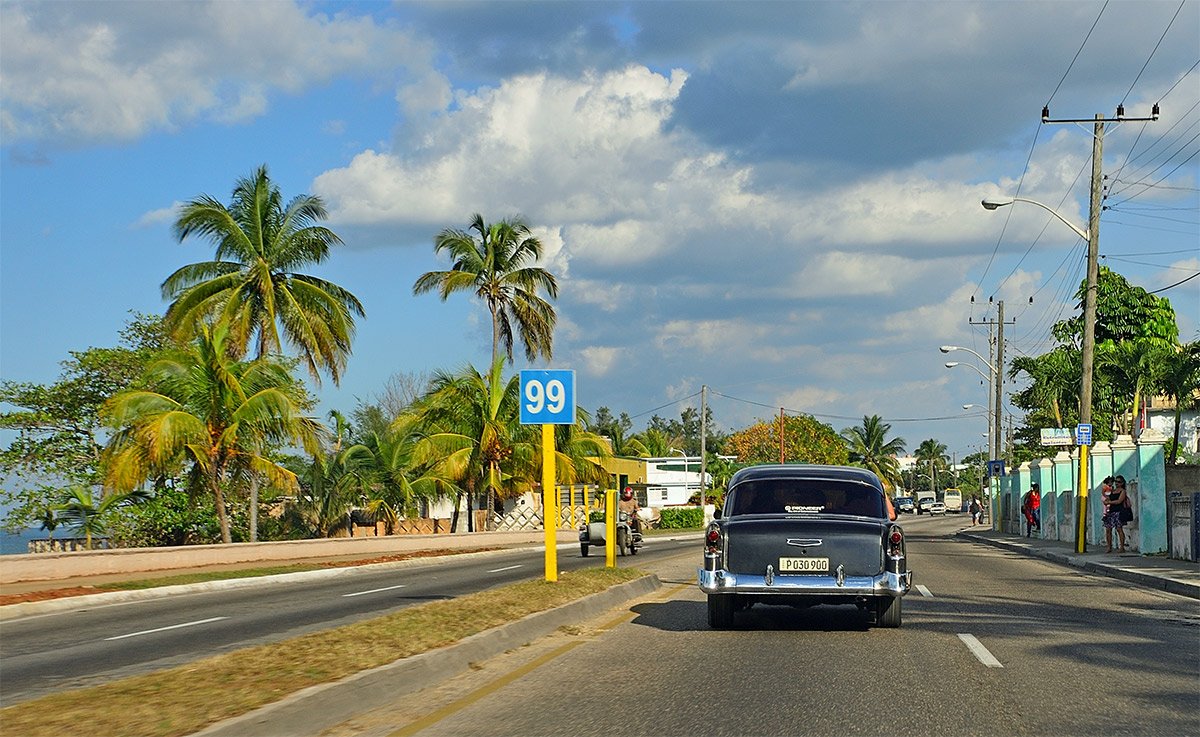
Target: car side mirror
(716,513)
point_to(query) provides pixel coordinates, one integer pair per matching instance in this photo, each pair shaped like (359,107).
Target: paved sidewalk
(1155,571)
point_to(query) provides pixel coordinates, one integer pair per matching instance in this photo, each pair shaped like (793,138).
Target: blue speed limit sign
(548,397)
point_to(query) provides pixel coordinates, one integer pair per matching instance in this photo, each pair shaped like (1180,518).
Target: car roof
(806,471)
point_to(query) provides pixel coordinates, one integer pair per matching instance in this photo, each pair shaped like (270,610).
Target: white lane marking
(164,629)
(924,591)
(979,651)
(376,591)
(506,568)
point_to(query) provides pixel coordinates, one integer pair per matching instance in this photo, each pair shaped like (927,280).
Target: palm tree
(391,478)
(496,267)
(1055,378)
(254,284)
(870,448)
(934,453)
(79,510)
(474,435)
(202,409)
(1180,381)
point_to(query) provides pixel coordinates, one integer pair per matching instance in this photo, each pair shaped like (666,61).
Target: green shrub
(677,518)
(596,515)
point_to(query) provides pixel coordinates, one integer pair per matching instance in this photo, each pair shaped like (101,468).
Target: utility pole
(703,437)
(996,400)
(1088,344)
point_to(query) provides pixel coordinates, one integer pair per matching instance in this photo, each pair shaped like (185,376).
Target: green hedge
(675,518)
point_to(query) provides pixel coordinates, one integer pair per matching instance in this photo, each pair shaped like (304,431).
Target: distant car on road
(937,508)
(924,503)
(801,535)
(904,504)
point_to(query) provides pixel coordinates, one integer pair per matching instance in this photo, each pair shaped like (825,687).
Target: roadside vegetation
(199,426)
(185,699)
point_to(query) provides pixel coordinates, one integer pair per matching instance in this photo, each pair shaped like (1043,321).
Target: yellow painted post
(549,503)
(572,492)
(610,528)
(1081,511)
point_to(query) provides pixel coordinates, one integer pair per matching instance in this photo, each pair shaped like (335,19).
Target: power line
(1171,286)
(1153,51)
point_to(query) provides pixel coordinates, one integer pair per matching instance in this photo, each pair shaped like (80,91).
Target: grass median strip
(187,698)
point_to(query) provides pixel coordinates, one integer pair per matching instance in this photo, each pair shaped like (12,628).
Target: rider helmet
(627,494)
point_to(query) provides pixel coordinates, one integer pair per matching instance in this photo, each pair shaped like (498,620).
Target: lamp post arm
(1078,230)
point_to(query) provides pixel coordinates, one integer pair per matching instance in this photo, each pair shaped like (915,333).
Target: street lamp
(992,203)
(1092,235)
(988,379)
(996,382)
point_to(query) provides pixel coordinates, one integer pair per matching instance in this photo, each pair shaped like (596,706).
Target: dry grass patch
(185,699)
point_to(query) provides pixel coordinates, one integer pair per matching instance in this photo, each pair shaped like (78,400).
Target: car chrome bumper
(724,582)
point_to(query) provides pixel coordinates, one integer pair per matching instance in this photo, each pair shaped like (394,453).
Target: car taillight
(896,542)
(713,539)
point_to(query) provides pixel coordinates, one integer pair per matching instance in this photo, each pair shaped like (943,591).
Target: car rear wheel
(720,611)
(584,548)
(887,611)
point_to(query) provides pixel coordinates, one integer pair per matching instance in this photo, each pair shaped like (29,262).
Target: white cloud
(599,360)
(108,70)
(159,216)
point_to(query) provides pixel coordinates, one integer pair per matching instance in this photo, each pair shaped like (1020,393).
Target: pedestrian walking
(976,510)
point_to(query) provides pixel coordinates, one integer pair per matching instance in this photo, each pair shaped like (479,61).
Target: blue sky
(777,200)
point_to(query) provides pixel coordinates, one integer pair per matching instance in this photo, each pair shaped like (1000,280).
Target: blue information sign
(547,397)
(1083,434)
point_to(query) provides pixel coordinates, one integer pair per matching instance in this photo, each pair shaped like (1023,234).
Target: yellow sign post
(610,528)
(1082,496)
(549,503)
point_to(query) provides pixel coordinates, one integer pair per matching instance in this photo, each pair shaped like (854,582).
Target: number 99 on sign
(548,397)
(552,396)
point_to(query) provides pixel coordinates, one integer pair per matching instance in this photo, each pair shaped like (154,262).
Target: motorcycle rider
(629,505)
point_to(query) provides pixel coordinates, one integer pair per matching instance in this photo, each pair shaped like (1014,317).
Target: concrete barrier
(80,563)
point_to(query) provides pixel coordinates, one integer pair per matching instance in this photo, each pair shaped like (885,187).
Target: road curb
(1160,581)
(317,708)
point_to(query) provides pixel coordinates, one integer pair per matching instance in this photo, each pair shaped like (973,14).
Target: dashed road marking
(924,591)
(376,591)
(979,651)
(164,629)
(506,568)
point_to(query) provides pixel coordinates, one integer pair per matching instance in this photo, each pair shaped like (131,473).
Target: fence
(1141,462)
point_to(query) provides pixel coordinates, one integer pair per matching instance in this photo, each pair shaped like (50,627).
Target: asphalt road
(993,643)
(55,652)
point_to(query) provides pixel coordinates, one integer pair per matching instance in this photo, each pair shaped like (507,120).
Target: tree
(1123,312)
(496,267)
(1055,386)
(934,453)
(80,511)
(253,284)
(58,433)
(473,432)
(622,442)
(390,477)
(870,448)
(1180,381)
(214,415)
(805,440)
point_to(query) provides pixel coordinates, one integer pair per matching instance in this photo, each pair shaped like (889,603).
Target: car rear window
(805,496)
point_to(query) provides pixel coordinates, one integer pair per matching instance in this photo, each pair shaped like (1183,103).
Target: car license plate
(803,565)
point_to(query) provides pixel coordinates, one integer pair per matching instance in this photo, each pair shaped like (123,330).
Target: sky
(779,201)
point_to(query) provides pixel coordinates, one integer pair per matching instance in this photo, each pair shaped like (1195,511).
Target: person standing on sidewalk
(976,510)
(1035,505)
(1114,499)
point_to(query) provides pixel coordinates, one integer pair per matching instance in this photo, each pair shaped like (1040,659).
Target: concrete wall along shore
(80,563)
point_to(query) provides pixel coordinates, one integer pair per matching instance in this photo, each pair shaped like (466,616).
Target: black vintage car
(803,535)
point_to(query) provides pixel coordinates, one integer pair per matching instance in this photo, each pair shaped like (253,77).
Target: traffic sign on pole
(547,397)
(1083,433)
